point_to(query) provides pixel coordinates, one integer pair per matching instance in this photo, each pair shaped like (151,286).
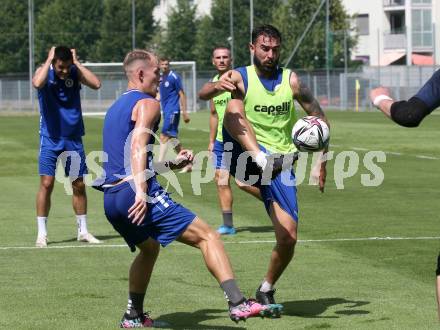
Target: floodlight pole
(133,24)
(31,49)
(309,25)
(231,29)
(251,24)
(327,50)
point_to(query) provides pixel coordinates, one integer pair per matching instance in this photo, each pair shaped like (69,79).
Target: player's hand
(51,54)
(210,147)
(183,158)
(186,118)
(75,57)
(138,210)
(322,176)
(225,83)
(379,91)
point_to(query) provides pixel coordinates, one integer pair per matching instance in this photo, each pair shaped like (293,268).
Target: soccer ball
(310,134)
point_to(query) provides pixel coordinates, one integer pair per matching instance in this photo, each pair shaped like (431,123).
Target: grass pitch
(341,278)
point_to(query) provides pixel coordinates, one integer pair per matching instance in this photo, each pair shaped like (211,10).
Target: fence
(338,91)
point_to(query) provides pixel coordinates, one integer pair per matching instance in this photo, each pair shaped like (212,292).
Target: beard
(268,68)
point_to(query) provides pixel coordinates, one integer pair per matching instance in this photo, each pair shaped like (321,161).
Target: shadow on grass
(73,239)
(314,308)
(186,320)
(255,229)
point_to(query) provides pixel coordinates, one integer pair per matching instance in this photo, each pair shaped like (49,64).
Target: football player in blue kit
(173,102)
(140,209)
(58,82)
(410,114)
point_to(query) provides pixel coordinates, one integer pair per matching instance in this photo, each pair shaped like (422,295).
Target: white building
(163,9)
(389,30)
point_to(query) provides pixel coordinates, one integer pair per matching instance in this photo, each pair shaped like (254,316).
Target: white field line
(327,240)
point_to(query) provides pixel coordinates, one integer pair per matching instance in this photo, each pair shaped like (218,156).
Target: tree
(294,15)
(73,23)
(116,28)
(214,30)
(179,38)
(14,37)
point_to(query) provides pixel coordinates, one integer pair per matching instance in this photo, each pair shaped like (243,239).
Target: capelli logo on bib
(69,82)
(167,83)
(274,110)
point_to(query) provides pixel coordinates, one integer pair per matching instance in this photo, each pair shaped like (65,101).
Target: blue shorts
(69,151)
(164,222)
(282,189)
(217,156)
(170,125)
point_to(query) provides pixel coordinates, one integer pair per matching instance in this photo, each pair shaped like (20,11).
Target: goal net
(114,83)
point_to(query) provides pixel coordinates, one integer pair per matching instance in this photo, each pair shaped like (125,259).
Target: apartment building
(396,32)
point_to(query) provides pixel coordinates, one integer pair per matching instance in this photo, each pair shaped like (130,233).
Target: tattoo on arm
(308,101)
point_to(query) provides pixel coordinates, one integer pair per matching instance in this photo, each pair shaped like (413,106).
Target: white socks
(261,160)
(266,286)
(81,221)
(41,223)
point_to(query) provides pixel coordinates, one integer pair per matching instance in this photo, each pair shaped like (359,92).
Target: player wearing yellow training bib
(257,129)
(222,60)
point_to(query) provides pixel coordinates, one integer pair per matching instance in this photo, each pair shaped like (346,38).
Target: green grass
(331,284)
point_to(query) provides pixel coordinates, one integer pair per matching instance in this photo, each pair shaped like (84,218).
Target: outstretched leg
(200,235)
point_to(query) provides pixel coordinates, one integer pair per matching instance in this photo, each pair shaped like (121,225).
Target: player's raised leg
(200,235)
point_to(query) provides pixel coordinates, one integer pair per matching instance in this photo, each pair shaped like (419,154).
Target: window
(421,2)
(362,24)
(397,23)
(422,27)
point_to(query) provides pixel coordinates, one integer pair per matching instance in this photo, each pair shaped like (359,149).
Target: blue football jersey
(60,106)
(169,88)
(116,139)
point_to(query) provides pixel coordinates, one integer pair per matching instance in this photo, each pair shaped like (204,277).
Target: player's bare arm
(213,89)
(303,94)
(213,124)
(237,80)
(145,114)
(86,76)
(182,100)
(40,76)
(381,98)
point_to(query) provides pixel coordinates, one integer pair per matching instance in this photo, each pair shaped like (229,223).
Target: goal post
(114,83)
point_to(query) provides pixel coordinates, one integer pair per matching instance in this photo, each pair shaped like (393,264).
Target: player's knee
(47,183)
(287,240)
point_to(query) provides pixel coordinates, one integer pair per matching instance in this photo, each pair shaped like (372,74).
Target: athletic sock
(232,292)
(81,221)
(266,286)
(227,219)
(135,306)
(41,223)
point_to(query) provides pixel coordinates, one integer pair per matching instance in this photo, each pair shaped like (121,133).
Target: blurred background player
(410,114)
(222,60)
(266,136)
(138,207)
(173,102)
(58,82)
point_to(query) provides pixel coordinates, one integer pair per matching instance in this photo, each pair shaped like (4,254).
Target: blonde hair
(137,54)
